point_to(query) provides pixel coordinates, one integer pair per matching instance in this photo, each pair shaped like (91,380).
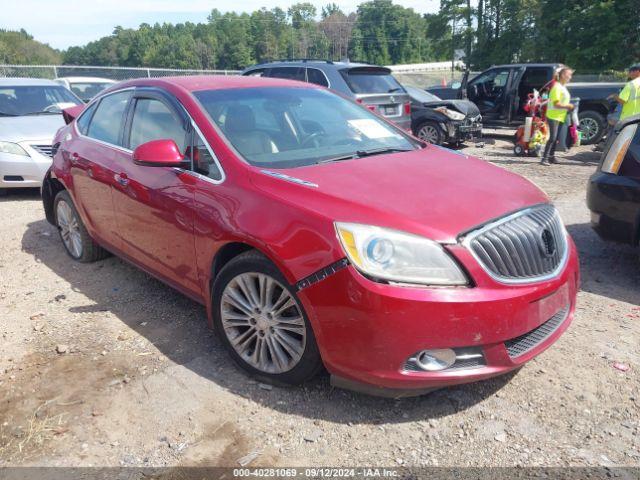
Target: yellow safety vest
(631,96)
(560,94)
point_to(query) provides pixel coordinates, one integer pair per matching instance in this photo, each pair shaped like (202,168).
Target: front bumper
(20,171)
(463,131)
(614,202)
(366,331)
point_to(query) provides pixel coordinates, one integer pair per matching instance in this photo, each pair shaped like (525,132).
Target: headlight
(13,148)
(398,256)
(452,114)
(617,151)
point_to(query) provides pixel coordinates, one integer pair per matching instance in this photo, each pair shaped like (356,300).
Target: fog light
(434,360)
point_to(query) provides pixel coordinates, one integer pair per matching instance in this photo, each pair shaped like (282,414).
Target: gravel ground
(102,365)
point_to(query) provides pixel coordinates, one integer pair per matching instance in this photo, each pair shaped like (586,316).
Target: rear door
(95,155)
(376,88)
(154,205)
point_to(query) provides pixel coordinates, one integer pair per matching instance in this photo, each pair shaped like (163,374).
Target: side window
(290,73)
(153,120)
(107,119)
(202,160)
(258,72)
(83,120)
(316,76)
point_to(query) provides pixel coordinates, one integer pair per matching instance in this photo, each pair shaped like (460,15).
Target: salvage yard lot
(103,365)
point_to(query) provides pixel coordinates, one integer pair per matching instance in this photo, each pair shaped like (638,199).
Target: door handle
(122,179)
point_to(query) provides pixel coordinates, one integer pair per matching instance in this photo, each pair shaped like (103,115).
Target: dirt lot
(102,365)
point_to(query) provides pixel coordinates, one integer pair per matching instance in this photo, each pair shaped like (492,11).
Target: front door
(490,92)
(154,206)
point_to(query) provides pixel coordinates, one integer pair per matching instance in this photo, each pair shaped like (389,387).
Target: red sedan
(315,232)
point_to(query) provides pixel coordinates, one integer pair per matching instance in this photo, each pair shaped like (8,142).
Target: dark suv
(371,85)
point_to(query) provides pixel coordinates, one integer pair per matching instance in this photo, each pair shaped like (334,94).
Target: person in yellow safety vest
(629,97)
(557,108)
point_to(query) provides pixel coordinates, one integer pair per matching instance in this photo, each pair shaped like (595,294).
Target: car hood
(30,127)
(463,106)
(434,192)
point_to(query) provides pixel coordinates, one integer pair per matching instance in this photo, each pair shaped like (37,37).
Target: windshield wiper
(397,89)
(5,114)
(366,153)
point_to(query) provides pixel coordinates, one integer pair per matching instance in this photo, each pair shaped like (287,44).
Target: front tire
(430,132)
(74,235)
(262,323)
(592,126)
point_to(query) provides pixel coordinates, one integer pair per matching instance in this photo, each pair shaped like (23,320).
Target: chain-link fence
(114,73)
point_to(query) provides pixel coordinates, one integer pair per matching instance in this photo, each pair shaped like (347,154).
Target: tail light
(407,108)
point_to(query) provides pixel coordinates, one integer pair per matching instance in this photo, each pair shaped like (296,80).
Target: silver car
(30,115)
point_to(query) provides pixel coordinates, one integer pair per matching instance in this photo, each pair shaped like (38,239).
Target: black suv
(371,85)
(613,194)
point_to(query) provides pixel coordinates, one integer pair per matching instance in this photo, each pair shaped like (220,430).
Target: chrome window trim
(223,176)
(126,150)
(469,237)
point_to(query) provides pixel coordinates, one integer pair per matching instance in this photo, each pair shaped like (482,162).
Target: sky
(65,23)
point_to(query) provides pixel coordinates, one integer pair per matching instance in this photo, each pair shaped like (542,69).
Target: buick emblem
(547,244)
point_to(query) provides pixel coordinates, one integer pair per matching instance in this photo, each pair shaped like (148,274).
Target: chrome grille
(45,150)
(527,246)
(522,344)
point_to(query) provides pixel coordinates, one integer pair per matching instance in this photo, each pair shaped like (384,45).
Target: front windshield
(420,95)
(279,127)
(35,99)
(87,90)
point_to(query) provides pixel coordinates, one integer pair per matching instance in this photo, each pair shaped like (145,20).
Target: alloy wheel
(429,134)
(69,229)
(589,128)
(263,322)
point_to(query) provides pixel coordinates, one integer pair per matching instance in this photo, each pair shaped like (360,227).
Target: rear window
(371,80)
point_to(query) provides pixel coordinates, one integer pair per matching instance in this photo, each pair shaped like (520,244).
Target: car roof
(553,65)
(196,83)
(27,82)
(87,79)
(328,64)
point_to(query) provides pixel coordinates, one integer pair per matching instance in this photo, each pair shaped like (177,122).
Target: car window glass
(108,117)
(535,77)
(371,80)
(260,72)
(316,76)
(30,99)
(83,120)
(153,120)
(203,160)
(282,127)
(290,73)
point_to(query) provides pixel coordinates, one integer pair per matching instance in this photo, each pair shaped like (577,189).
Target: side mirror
(159,153)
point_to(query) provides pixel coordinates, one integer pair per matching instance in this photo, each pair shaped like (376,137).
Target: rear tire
(273,342)
(592,125)
(74,235)
(430,132)
(4,192)
(518,150)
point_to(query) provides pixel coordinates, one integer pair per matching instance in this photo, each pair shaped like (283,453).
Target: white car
(30,116)
(85,87)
